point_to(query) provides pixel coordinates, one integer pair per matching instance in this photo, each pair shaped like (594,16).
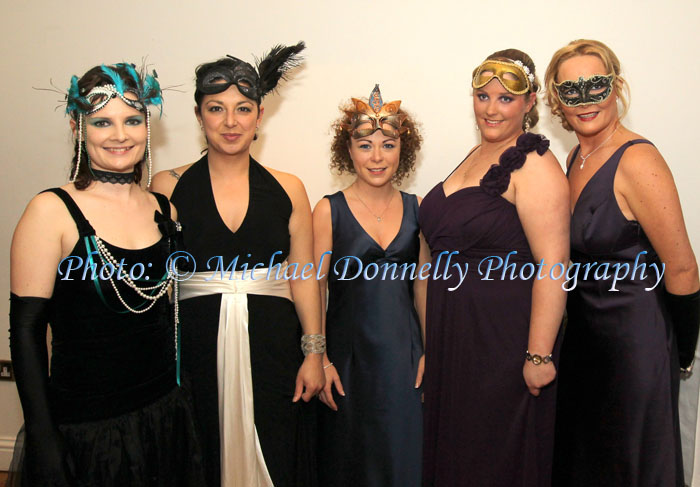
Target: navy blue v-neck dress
(374,341)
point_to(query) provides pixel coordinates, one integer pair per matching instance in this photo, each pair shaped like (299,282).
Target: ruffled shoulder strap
(497,178)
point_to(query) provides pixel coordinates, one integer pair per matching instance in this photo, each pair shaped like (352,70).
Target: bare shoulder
(45,219)
(322,209)
(291,184)
(47,207)
(165,181)
(545,165)
(642,162)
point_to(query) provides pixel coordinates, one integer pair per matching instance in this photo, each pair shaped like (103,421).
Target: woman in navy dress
(371,431)
(490,363)
(617,416)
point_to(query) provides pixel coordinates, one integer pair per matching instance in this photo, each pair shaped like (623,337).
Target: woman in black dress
(617,417)
(372,433)
(111,412)
(242,326)
(489,405)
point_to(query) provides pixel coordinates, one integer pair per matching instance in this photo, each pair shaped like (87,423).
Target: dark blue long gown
(617,409)
(374,341)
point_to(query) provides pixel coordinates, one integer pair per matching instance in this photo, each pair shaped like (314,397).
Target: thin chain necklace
(583,159)
(381,215)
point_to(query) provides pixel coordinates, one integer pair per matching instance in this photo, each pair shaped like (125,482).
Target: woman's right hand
(332,378)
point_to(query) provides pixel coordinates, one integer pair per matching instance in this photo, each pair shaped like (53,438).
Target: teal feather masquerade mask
(143,90)
(144,87)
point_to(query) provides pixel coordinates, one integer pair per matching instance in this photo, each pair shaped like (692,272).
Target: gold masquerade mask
(377,114)
(518,83)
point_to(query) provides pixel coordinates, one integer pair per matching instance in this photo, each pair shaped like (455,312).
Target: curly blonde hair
(583,47)
(411,141)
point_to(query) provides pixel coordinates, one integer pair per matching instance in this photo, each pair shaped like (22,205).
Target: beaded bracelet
(313,344)
(538,359)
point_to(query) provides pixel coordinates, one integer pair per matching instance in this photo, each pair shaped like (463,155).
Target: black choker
(113,177)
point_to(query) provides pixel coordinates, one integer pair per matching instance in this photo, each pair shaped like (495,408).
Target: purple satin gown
(482,426)
(617,410)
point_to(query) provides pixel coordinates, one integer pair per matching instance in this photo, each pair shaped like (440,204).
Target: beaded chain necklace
(94,244)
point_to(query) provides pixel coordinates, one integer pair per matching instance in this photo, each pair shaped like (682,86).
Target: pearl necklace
(583,159)
(163,287)
(107,258)
(381,215)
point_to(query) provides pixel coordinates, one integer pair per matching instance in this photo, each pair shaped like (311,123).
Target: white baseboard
(7,447)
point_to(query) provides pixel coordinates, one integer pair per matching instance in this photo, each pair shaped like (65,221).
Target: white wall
(420,52)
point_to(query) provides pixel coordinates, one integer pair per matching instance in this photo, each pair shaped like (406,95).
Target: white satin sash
(242,462)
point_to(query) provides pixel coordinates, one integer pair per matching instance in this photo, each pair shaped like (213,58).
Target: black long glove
(685,315)
(46,460)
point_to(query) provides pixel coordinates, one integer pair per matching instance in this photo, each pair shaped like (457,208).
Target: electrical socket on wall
(6,372)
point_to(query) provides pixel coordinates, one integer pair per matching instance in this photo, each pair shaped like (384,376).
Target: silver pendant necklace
(381,215)
(583,159)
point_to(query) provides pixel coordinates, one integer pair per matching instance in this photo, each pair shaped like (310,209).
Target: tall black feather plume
(273,66)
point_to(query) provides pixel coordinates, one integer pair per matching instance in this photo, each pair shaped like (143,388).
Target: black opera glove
(685,316)
(47,461)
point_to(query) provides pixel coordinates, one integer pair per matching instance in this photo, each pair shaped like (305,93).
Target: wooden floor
(3,478)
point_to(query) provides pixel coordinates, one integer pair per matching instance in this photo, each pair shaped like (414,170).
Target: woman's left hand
(538,376)
(421,369)
(310,378)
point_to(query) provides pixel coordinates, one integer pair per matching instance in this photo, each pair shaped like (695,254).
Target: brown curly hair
(584,47)
(411,141)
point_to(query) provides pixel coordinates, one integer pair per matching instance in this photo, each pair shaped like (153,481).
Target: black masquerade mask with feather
(218,76)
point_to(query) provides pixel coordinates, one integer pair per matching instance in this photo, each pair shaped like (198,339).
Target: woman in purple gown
(491,331)
(617,412)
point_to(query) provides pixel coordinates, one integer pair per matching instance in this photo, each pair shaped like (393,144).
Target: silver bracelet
(313,344)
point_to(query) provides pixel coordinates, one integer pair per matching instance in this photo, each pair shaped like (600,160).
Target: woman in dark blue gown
(371,432)
(617,411)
